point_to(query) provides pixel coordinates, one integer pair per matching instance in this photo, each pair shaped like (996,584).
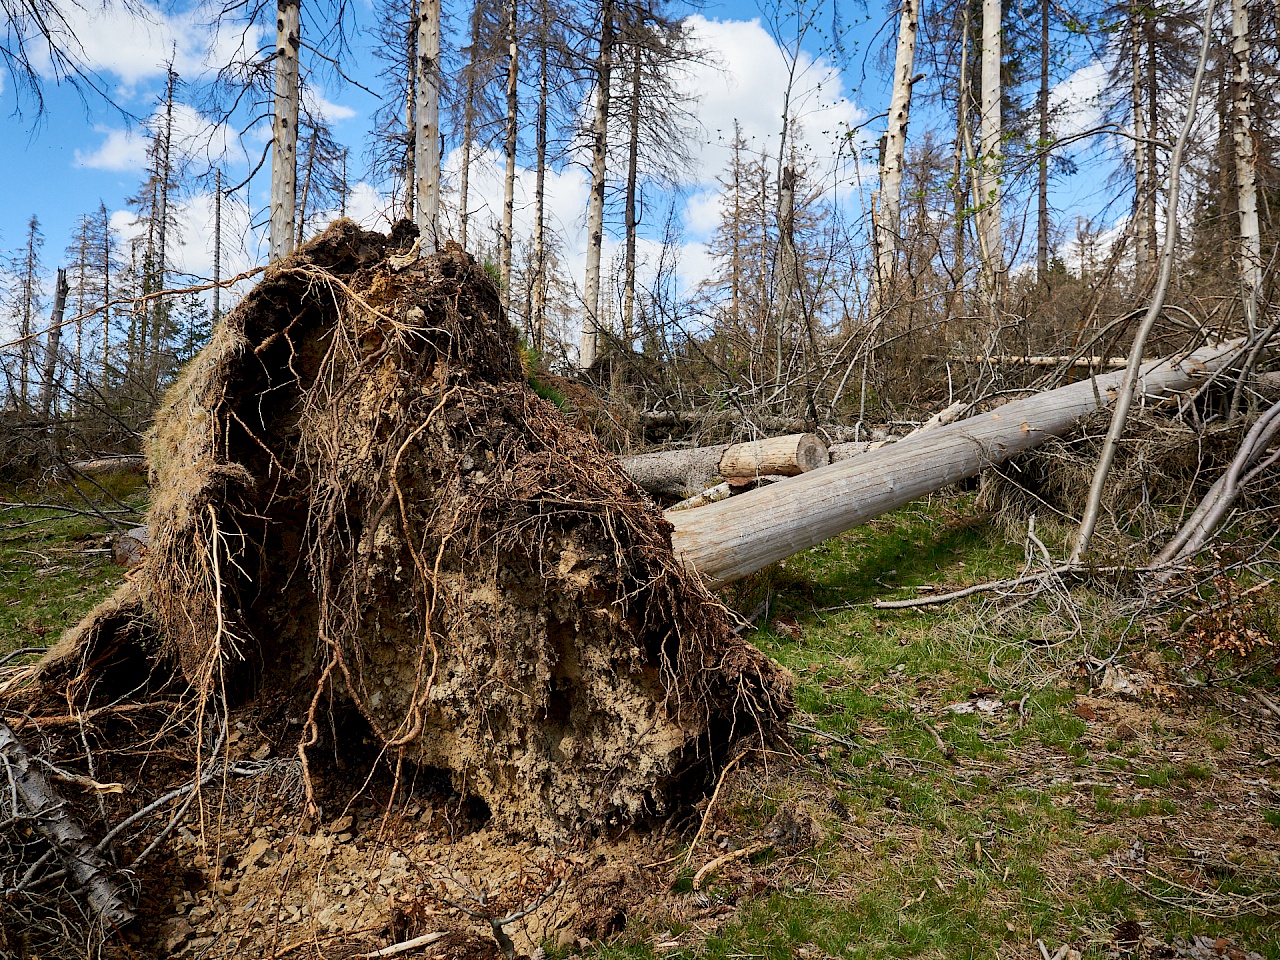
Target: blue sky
(78,153)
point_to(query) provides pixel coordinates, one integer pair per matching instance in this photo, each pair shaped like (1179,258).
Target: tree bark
(1042,158)
(989,163)
(217,244)
(728,540)
(426,150)
(1246,162)
(688,471)
(538,286)
(595,205)
(1143,197)
(513,118)
(49,373)
(51,820)
(889,224)
(468,127)
(284,148)
(631,199)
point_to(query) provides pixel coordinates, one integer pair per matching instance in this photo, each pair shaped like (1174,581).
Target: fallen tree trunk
(738,536)
(687,472)
(50,818)
(1015,360)
(127,463)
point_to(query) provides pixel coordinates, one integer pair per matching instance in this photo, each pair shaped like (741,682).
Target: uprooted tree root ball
(358,498)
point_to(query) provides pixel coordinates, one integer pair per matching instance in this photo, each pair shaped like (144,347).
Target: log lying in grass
(689,471)
(730,539)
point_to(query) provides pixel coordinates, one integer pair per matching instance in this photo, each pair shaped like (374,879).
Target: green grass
(977,855)
(52,565)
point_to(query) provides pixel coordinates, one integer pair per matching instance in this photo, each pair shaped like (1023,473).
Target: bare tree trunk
(538,288)
(786,268)
(106,296)
(990,166)
(217,244)
(410,112)
(284,150)
(631,199)
(509,180)
(736,537)
(1246,162)
(307,166)
(426,153)
(595,206)
(889,233)
(49,373)
(963,158)
(1142,184)
(1042,161)
(468,128)
(1151,101)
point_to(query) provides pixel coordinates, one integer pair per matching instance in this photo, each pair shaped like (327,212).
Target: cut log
(50,819)
(738,536)
(687,472)
(787,456)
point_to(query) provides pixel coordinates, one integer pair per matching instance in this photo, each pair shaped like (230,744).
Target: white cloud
(195,137)
(133,43)
(316,103)
(121,151)
(749,85)
(1077,103)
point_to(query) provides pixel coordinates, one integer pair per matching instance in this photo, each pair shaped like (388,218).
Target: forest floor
(968,780)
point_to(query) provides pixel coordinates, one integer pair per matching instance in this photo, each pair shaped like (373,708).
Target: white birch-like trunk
(989,163)
(595,205)
(1143,198)
(889,222)
(426,149)
(284,149)
(1246,161)
(513,119)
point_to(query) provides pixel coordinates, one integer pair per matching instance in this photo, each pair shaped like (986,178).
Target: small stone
(262,854)
(565,940)
(178,933)
(341,825)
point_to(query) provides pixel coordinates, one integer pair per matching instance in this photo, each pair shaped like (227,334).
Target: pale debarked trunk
(1246,161)
(509,148)
(284,149)
(889,221)
(989,162)
(595,204)
(426,150)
